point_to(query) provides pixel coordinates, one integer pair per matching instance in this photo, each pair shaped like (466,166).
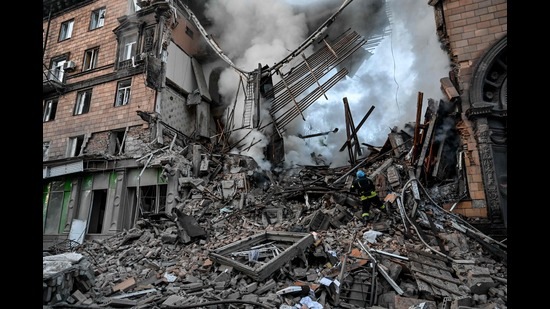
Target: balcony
(52,80)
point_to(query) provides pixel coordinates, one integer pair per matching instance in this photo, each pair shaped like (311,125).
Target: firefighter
(364,187)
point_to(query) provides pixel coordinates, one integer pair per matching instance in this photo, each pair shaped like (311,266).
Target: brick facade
(102,116)
(471,28)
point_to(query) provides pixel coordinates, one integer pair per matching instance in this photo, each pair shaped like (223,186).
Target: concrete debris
(247,238)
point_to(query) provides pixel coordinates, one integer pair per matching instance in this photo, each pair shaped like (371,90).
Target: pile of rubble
(288,239)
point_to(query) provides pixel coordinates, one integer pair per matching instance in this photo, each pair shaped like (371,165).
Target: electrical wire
(393,59)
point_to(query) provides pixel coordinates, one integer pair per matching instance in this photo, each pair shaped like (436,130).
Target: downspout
(47,32)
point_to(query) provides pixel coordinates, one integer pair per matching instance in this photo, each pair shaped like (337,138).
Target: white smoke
(404,63)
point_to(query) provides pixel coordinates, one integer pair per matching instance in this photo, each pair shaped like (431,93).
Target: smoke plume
(401,58)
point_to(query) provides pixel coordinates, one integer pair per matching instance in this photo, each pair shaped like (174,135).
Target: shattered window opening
(153,199)
(116,142)
(74,146)
(45,150)
(97,19)
(57,72)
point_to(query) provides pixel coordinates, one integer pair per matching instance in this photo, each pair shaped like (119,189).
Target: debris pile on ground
(243,237)
(254,239)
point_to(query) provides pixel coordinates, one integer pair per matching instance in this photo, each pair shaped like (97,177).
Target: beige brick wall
(102,115)
(82,38)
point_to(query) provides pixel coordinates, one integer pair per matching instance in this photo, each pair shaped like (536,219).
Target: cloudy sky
(406,61)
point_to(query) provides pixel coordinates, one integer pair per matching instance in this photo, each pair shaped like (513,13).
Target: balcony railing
(52,80)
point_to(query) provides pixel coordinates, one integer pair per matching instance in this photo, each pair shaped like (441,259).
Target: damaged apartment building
(124,83)
(143,206)
(120,78)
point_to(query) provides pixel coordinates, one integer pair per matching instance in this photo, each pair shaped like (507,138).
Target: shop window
(55,200)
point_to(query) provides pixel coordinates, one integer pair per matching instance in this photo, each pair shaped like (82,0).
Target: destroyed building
(165,217)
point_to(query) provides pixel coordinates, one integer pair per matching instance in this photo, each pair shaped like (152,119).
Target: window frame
(66,30)
(189,32)
(56,71)
(55,201)
(83,102)
(74,146)
(124,86)
(128,47)
(91,56)
(49,110)
(96,20)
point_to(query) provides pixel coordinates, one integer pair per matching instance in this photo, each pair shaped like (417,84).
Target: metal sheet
(78,229)
(69,168)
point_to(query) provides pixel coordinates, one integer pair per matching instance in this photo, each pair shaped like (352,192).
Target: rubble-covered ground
(247,238)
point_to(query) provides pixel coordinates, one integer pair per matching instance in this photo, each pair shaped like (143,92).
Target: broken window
(66,30)
(123,92)
(116,142)
(134,7)
(50,107)
(55,200)
(56,72)
(82,105)
(153,199)
(99,202)
(74,146)
(90,59)
(189,32)
(97,19)
(45,150)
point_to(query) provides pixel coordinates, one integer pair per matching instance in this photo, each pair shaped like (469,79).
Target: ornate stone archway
(489,113)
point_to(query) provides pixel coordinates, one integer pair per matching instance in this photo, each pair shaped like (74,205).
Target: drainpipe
(47,32)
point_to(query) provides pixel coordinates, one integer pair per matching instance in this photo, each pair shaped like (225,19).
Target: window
(55,206)
(116,142)
(123,92)
(74,146)
(189,32)
(97,19)
(82,105)
(56,70)
(66,30)
(45,150)
(153,198)
(50,107)
(128,47)
(90,59)
(134,7)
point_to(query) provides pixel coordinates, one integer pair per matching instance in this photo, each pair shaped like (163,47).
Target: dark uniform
(364,187)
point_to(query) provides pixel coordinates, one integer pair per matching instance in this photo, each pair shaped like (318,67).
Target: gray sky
(407,61)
